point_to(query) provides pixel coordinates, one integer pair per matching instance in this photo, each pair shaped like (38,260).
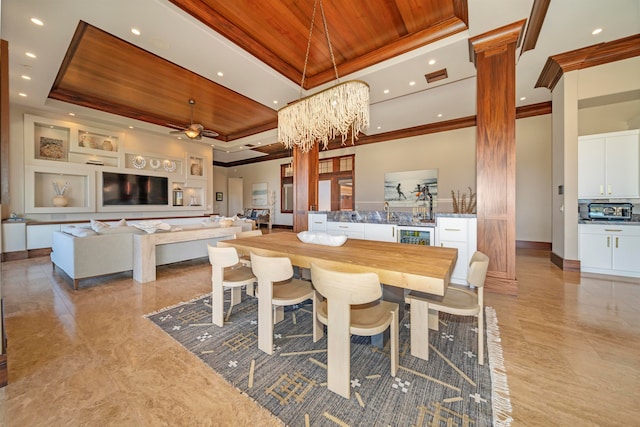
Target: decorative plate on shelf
(154,163)
(169,165)
(139,162)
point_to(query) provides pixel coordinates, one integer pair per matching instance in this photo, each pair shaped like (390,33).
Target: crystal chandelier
(338,110)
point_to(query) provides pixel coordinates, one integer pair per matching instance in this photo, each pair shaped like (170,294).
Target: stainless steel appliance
(416,235)
(607,211)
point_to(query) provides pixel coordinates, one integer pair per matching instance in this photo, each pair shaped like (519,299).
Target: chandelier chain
(306,57)
(326,32)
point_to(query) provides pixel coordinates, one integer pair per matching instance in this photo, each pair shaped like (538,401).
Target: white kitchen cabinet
(459,233)
(317,222)
(610,249)
(381,232)
(353,230)
(609,165)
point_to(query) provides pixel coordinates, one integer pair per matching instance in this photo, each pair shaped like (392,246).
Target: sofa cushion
(98,226)
(82,232)
(120,230)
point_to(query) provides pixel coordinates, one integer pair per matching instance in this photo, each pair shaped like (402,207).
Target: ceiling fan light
(192,133)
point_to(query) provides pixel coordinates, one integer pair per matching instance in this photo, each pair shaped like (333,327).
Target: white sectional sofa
(85,251)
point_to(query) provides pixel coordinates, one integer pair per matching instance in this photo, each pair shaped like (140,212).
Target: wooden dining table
(399,266)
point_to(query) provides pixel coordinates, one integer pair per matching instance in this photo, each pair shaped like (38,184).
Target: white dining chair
(461,301)
(245,260)
(278,288)
(226,273)
(348,310)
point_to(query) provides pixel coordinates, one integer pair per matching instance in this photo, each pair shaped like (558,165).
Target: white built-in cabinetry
(381,232)
(610,249)
(609,165)
(353,230)
(60,154)
(317,222)
(459,233)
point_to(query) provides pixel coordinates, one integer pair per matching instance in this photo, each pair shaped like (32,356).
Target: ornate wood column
(494,56)
(305,186)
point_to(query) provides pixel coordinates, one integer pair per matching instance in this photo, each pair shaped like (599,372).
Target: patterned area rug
(450,389)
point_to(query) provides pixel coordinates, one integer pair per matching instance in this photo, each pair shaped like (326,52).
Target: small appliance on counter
(607,211)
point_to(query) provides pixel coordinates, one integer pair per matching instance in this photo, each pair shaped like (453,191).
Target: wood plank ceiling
(157,91)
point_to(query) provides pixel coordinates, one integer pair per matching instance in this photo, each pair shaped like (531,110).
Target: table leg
(391,294)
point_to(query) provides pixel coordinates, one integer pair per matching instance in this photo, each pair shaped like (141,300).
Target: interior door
(234,188)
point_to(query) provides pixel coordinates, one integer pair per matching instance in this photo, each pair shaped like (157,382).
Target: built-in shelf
(78,188)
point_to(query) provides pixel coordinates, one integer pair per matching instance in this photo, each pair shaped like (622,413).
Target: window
(286,188)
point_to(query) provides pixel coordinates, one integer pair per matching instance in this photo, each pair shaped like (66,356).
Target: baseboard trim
(564,264)
(286,227)
(501,285)
(524,244)
(14,256)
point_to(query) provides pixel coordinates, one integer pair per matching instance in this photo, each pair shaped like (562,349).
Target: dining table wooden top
(415,267)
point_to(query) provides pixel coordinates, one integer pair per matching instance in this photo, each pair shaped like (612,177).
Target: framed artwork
(96,141)
(259,195)
(195,166)
(51,142)
(218,196)
(411,188)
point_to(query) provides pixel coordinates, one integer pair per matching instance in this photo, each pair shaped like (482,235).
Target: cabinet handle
(612,230)
(317,222)
(601,190)
(451,229)
(608,241)
(617,238)
(393,232)
(343,226)
(609,189)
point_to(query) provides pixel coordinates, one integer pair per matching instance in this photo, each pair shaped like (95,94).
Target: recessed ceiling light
(432,61)
(386,91)
(135,31)
(72,114)
(596,31)
(130,127)
(259,143)
(412,83)
(379,127)
(440,115)
(30,55)
(522,98)
(25,77)
(23,94)
(220,73)
(275,101)
(37,21)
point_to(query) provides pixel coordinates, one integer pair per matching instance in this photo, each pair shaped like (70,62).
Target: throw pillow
(98,226)
(121,223)
(120,230)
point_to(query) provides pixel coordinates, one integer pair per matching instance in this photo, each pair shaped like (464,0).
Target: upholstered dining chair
(225,273)
(352,306)
(245,260)
(278,288)
(458,300)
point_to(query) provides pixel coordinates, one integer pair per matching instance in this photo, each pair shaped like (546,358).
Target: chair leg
(419,328)
(394,342)
(236,295)
(318,329)
(481,336)
(339,354)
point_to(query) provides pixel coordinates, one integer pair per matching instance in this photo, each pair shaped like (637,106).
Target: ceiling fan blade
(174,126)
(209,133)
(175,132)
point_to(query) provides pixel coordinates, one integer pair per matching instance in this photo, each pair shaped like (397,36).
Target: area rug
(450,389)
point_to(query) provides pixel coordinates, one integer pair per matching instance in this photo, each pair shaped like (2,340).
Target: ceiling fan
(194,130)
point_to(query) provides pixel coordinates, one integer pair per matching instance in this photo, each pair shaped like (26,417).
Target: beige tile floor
(88,357)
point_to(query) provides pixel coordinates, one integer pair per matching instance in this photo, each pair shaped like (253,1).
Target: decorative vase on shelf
(60,201)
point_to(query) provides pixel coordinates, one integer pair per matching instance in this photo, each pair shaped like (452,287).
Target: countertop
(608,222)
(404,219)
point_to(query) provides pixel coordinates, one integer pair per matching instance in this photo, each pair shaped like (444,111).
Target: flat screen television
(130,189)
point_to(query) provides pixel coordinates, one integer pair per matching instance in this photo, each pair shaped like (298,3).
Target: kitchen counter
(380,217)
(633,221)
